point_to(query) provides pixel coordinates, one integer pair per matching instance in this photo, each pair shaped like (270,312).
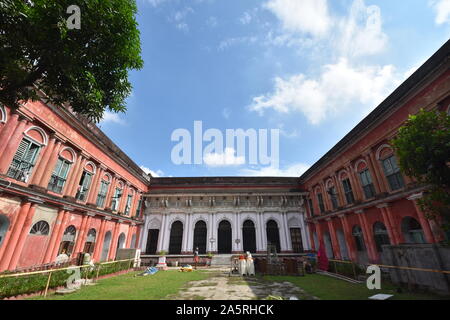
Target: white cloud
(338,87)
(179,17)
(155,3)
(294,170)
(157,173)
(224,44)
(111,118)
(212,22)
(226,112)
(361,32)
(227,158)
(246,18)
(442,10)
(306,16)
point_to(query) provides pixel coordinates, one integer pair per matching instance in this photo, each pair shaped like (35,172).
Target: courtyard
(215,284)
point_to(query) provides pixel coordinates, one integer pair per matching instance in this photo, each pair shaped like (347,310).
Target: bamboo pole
(48,283)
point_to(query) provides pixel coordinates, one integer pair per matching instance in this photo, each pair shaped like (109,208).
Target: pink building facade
(358,199)
(64,186)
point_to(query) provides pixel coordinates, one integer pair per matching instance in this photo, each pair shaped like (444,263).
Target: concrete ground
(221,286)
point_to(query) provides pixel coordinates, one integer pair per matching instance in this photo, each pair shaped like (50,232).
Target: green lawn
(328,288)
(129,287)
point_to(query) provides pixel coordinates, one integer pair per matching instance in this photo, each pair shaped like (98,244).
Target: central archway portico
(224,215)
(224,237)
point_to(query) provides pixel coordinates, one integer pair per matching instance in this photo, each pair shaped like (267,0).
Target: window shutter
(64,170)
(58,167)
(31,155)
(22,150)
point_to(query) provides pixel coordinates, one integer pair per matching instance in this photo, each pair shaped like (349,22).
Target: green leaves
(87,68)
(423,147)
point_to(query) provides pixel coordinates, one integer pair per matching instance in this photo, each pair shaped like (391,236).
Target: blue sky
(310,68)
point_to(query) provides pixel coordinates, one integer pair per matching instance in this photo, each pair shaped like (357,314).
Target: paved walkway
(220,286)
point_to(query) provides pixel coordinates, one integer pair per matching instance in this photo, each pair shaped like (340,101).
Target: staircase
(221,260)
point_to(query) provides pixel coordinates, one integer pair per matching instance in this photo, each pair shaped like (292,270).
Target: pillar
(72,190)
(348,238)
(99,240)
(334,240)
(375,173)
(368,236)
(161,234)
(61,231)
(114,238)
(57,225)
(79,245)
(11,146)
(8,129)
(393,236)
(10,246)
(23,235)
(72,173)
(42,164)
(429,237)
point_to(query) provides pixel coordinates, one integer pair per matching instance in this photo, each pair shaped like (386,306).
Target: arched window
(40,228)
(176,237)
(2,114)
(24,160)
(85,181)
(365,178)
(106,245)
(391,170)
(359,239)
(200,236)
(59,176)
(103,190)
(249,236)
(90,241)
(332,193)
(381,236)
(68,240)
(412,231)
(120,242)
(4,225)
(273,234)
(346,184)
(117,196)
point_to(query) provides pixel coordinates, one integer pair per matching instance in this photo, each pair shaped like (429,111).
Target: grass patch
(129,287)
(328,288)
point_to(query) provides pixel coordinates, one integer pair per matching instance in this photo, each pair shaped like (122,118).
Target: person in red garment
(322,258)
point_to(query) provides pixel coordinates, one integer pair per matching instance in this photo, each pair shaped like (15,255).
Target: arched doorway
(273,234)
(68,240)
(224,237)
(90,241)
(328,245)
(200,236)
(342,244)
(361,251)
(4,225)
(120,242)
(412,230)
(176,237)
(133,241)
(381,236)
(249,236)
(106,244)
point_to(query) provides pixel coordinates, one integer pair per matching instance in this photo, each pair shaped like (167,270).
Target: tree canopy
(86,68)
(423,147)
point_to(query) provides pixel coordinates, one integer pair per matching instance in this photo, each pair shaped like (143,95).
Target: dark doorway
(296,239)
(176,237)
(200,237)
(249,236)
(224,237)
(152,241)
(273,235)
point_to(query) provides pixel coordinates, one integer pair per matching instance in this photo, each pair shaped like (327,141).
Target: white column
(262,228)
(288,244)
(190,233)
(162,233)
(305,233)
(144,236)
(185,233)
(213,231)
